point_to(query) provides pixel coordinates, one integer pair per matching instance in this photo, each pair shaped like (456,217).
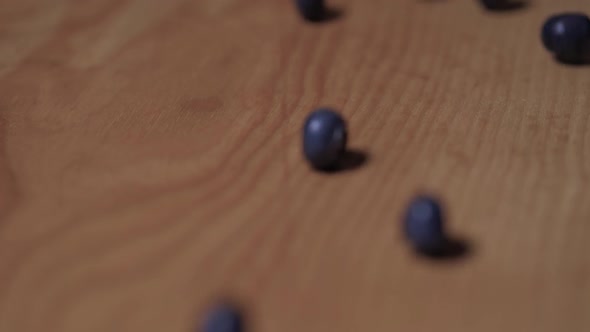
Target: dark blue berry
(568,37)
(423,225)
(223,319)
(546,32)
(311,10)
(324,138)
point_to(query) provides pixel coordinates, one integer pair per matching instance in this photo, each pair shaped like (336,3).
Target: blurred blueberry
(311,10)
(324,139)
(568,37)
(223,319)
(423,225)
(546,32)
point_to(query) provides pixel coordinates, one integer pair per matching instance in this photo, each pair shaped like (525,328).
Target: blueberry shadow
(505,6)
(572,62)
(330,15)
(455,249)
(350,160)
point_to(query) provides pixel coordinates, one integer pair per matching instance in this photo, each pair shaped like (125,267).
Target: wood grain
(150,165)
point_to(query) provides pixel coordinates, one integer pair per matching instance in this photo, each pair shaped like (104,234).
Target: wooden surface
(150,165)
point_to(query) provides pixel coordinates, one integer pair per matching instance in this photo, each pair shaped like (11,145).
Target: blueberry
(568,37)
(223,319)
(324,138)
(423,225)
(311,10)
(546,32)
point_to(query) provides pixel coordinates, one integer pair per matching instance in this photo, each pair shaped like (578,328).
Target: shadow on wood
(350,160)
(454,249)
(497,6)
(581,62)
(330,15)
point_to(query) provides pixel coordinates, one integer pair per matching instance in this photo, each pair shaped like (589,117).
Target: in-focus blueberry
(568,37)
(324,138)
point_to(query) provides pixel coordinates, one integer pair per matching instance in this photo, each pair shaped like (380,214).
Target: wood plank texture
(150,164)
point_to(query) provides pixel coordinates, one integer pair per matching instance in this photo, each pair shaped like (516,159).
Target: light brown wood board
(150,165)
